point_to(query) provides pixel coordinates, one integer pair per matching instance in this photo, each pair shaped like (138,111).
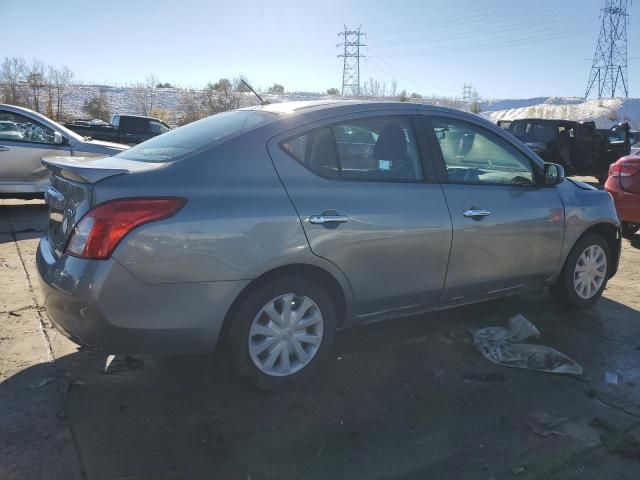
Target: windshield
(190,138)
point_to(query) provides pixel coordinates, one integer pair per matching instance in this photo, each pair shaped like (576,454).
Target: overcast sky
(506,49)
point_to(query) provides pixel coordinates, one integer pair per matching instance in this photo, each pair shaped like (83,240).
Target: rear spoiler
(92,169)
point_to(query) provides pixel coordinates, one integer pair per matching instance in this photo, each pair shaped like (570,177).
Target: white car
(26,137)
(635,149)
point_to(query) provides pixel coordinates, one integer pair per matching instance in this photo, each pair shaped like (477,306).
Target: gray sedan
(25,138)
(268,228)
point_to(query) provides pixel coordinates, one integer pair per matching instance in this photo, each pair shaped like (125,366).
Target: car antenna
(262,100)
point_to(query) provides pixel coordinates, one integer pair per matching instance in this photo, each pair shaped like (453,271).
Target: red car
(624,186)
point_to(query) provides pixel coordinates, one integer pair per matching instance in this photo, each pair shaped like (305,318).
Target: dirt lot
(404,399)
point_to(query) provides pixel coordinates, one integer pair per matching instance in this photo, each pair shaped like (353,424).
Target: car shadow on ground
(27,219)
(410,398)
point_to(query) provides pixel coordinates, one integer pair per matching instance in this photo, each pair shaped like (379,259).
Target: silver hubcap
(590,271)
(285,335)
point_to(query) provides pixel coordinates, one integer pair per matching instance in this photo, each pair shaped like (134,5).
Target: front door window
(19,128)
(475,155)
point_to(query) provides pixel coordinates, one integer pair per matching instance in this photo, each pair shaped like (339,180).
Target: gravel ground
(404,399)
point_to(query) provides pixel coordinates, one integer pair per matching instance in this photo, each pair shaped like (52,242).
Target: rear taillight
(98,233)
(624,168)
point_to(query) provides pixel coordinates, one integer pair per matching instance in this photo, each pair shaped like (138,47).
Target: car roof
(554,120)
(343,105)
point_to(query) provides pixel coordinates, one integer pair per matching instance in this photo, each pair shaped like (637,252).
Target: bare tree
(12,72)
(373,88)
(145,94)
(223,84)
(394,87)
(61,80)
(474,105)
(191,105)
(239,86)
(35,76)
(220,97)
(48,80)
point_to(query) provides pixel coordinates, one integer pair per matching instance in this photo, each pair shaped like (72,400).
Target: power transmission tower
(351,67)
(609,67)
(467,92)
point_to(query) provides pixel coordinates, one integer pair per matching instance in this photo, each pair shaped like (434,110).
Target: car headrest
(391,144)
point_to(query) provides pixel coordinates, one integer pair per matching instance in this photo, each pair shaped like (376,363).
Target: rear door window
(372,149)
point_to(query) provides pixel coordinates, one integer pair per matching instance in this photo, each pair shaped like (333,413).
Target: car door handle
(4,149)
(476,213)
(324,219)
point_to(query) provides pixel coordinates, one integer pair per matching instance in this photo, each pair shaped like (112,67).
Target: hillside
(605,112)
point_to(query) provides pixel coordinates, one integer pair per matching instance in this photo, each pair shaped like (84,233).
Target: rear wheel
(629,229)
(585,273)
(282,332)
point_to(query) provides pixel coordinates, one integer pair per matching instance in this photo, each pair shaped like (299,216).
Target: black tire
(244,316)
(630,229)
(563,289)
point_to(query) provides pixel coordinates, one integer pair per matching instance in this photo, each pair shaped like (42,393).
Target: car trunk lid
(73,180)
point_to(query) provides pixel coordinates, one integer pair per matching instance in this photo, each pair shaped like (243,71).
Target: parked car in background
(25,138)
(624,186)
(89,123)
(579,147)
(270,227)
(10,130)
(635,149)
(128,129)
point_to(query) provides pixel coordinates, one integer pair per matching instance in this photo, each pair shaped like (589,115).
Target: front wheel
(282,332)
(585,273)
(629,229)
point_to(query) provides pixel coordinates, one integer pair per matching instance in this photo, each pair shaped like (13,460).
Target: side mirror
(553,174)
(58,139)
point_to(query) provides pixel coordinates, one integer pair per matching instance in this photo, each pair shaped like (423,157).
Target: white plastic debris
(107,363)
(611,378)
(500,345)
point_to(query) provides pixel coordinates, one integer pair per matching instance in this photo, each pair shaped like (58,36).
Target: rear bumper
(98,303)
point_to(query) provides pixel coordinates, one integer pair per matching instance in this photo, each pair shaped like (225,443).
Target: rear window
(195,136)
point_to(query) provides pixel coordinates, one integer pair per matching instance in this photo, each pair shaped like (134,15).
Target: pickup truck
(127,129)
(579,147)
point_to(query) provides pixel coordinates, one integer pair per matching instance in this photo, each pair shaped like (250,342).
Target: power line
(351,63)
(609,68)
(491,45)
(486,32)
(481,15)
